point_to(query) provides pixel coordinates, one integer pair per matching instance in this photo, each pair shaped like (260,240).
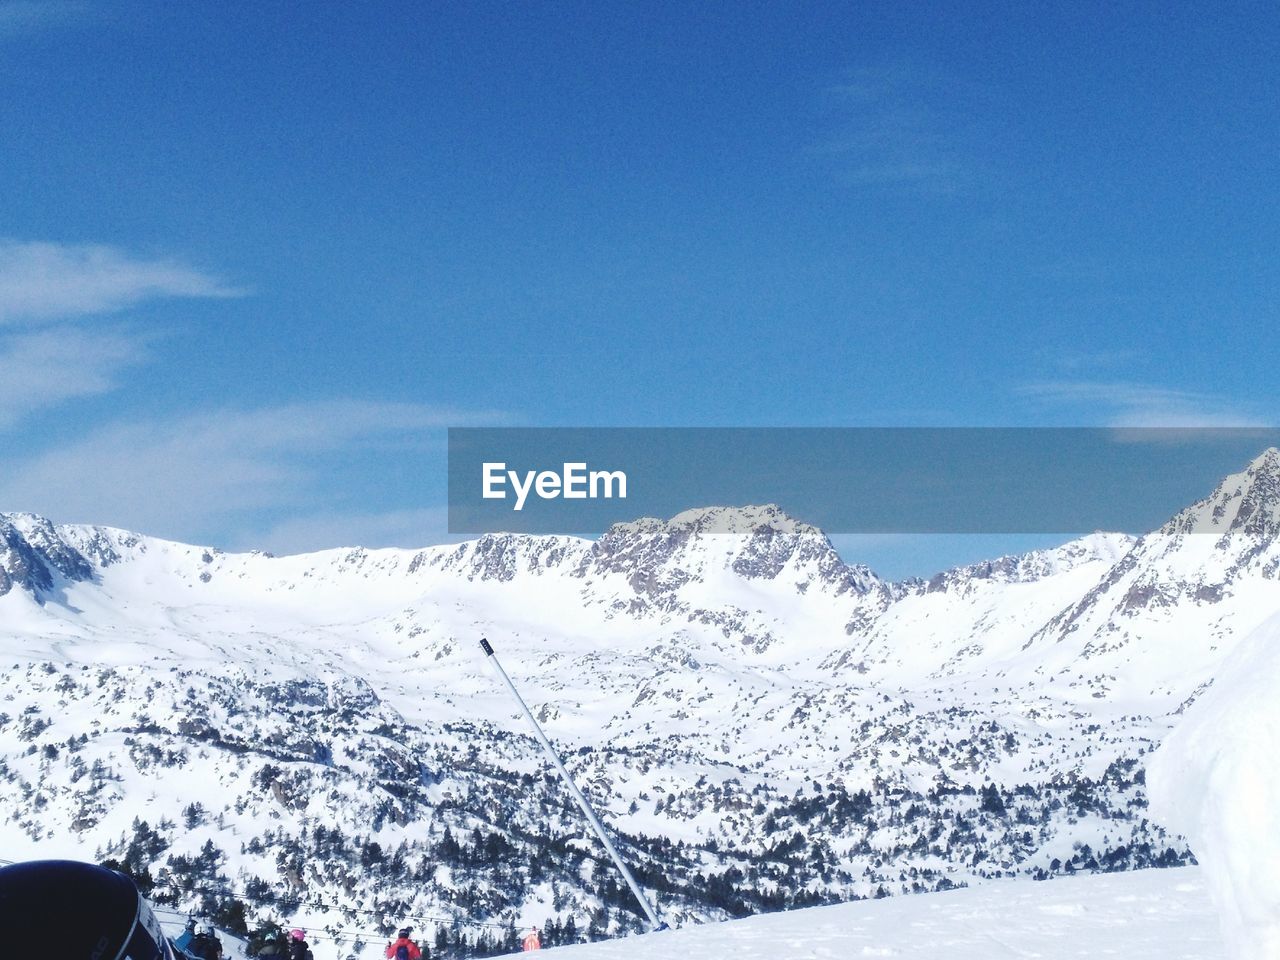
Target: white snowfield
(1216,780)
(704,688)
(1141,915)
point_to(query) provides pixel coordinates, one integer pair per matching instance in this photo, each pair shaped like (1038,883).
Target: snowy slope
(964,620)
(1160,621)
(1142,915)
(1216,779)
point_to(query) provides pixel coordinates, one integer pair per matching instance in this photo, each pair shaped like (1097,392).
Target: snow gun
(587,812)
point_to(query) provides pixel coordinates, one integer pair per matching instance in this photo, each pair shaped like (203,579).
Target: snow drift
(1216,780)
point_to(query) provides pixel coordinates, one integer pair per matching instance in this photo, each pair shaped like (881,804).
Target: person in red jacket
(403,948)
(533,941)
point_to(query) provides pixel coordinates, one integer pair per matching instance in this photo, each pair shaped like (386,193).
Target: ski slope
(1141,915)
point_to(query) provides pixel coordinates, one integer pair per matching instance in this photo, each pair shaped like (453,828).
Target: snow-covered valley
(318,737)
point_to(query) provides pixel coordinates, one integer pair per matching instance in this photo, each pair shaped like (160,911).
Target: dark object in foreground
(90,911)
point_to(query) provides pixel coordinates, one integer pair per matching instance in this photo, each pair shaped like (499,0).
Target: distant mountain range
(764,724)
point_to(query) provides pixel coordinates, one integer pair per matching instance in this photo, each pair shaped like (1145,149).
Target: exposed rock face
(1197,559)
(33,555)
(1247,502)
(756,543)
(503,556)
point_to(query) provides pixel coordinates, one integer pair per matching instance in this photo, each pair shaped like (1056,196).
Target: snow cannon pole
(590,814)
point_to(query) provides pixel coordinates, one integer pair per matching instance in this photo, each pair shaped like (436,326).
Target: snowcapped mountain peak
(1268,461)
(751,542)
(33,555)
(740,520)
(699,522)
(1247,502)
(1181,590)
(1038,564)
(103,546)
(1094,546)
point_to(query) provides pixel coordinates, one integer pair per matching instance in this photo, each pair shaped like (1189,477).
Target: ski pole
(573,788)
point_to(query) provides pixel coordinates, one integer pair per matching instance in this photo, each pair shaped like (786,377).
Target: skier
(298,948)
(532,942)
(109,917)
(403,948)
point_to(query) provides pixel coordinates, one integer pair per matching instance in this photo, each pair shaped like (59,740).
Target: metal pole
(573,788)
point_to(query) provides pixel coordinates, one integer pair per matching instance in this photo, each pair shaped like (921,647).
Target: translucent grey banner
(847,480)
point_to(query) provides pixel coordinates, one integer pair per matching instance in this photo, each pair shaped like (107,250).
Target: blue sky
(256,257)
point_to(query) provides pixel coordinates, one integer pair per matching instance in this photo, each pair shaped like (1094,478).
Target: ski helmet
(405,932)
(112,920)
(298,934)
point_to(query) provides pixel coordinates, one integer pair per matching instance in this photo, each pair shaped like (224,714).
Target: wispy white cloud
(19,17)
(236,471)
(195,472)
(44,368)
(901,127)
(1127,404)
(47,293)
(41,282)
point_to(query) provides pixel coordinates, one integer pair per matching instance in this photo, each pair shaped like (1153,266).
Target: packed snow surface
(1216,780)
(1141,915)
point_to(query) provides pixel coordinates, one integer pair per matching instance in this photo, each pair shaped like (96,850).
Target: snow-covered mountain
(1164,616)
(763,724)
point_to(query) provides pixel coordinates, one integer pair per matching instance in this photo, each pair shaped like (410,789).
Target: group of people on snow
(204,945)
(405,948)
(291,947)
